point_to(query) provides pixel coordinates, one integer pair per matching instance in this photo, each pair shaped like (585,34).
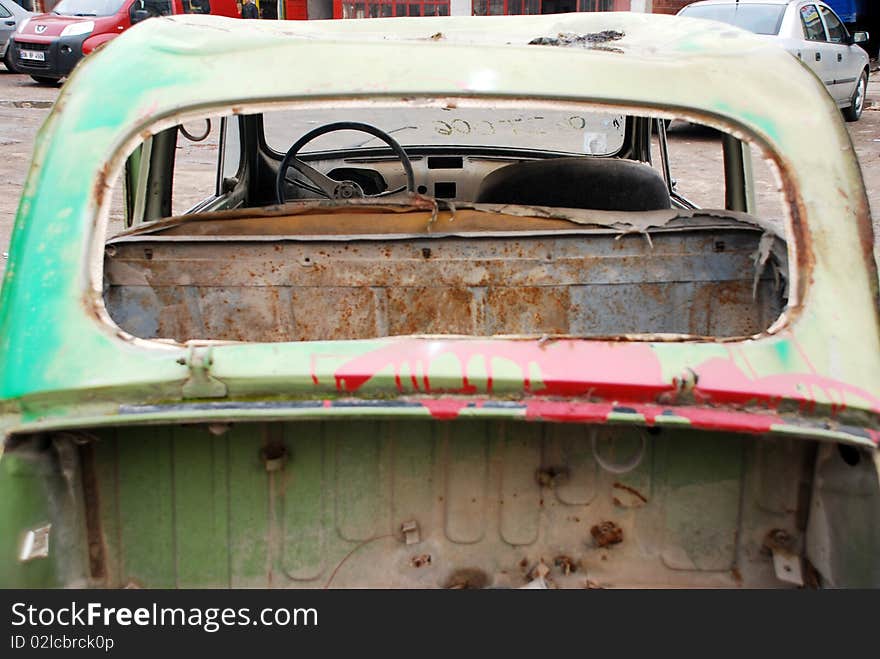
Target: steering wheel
(324,186)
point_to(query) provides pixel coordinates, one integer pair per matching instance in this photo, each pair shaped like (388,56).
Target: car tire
(7,60)
(44,80)
(857,103)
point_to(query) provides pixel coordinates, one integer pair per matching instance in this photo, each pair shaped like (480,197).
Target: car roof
(639,35)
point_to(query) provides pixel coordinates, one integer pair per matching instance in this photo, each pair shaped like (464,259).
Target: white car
(810,31)
(12,15)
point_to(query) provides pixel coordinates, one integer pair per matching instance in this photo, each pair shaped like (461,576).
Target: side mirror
(140,15)
(859,37)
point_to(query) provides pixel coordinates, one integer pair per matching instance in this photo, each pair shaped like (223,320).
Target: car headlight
(75,29)
(21,25)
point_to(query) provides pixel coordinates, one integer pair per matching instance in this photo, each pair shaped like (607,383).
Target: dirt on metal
(606,534)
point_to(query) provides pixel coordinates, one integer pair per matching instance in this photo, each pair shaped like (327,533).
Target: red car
(48,46)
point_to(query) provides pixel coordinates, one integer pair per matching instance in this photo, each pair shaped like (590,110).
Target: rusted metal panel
(681,282)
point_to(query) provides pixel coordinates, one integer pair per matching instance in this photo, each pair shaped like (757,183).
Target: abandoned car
(441,312)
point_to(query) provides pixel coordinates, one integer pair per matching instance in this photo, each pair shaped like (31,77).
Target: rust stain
(631,490)
(802,238)
(551,476)
(100,187)
(606,534)
(94,532)
(777,540)
(467,579)
(566,564)
(737,576)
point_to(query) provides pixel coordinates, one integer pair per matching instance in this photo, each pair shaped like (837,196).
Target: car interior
(508,232)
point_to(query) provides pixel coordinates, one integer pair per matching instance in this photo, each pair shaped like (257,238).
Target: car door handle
(818,57)
(839,57)
(10,23)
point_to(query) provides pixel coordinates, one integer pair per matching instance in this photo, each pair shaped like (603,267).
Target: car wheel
(857,104)
(44,80)
(7,60)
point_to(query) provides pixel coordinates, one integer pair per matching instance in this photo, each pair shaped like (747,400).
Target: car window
(196,7)
(760,19)
(4,13)
(195,164)
(153,7)
(813,29)
(836,32)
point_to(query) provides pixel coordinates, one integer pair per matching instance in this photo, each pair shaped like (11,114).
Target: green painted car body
(164,464)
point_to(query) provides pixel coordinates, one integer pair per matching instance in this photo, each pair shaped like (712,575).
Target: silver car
(809,30)
(12,15)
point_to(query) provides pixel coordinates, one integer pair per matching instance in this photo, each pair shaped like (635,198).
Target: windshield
(87,7)
(760,19)
(590,133)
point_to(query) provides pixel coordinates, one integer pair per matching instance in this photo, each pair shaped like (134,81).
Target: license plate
(33,55)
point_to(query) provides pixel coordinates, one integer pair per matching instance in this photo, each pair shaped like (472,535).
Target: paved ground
(695,155)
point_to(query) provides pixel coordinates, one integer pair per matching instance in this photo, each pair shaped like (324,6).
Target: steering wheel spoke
(307,186)
(322,185)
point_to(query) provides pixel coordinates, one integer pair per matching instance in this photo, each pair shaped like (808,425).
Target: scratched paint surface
(61,364)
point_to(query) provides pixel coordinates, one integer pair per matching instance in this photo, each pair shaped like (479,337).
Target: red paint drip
(567,368)
(568,412)
(445,408)
(711,419)
(718,420)
(705,419)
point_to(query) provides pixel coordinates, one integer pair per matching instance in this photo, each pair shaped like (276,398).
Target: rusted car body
(464,385)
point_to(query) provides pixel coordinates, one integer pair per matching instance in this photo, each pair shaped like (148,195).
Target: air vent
(445,162)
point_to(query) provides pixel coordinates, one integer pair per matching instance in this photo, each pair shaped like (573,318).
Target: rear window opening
(633,232)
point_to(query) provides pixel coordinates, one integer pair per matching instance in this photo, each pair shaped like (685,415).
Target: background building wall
(669,6)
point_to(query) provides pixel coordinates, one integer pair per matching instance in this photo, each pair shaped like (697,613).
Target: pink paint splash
(568,368)
(720,382)
(445,408)
(602,375)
